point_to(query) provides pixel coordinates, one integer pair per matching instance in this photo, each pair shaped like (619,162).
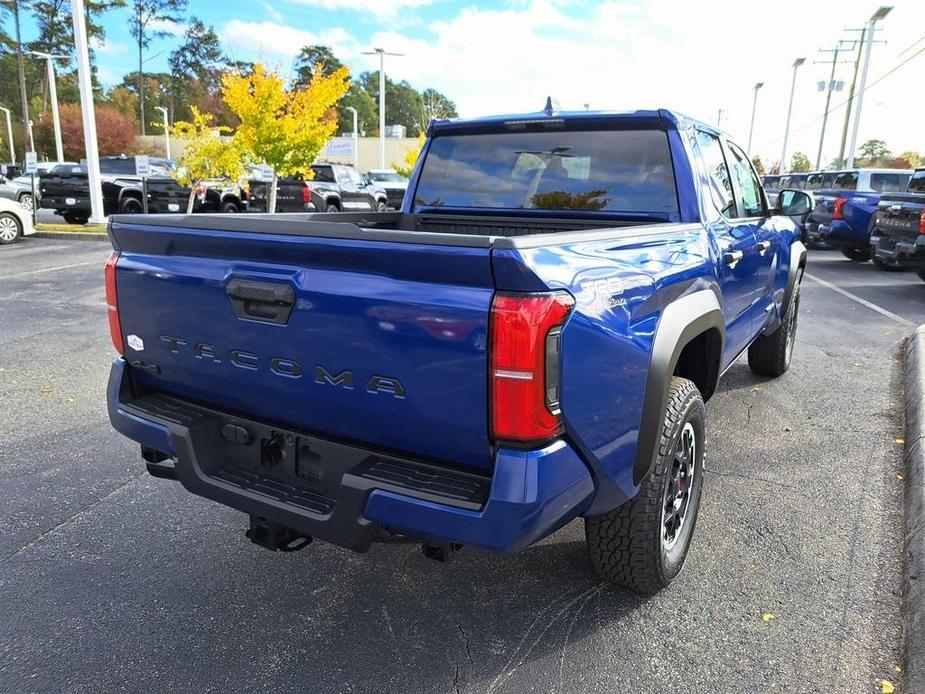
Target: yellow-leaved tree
(411,158)
(283,128)
(206,155)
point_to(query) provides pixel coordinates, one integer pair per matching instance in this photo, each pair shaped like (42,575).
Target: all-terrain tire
(770,355)
(858,255)
(629,546)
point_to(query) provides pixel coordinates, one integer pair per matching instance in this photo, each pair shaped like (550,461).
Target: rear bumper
(839,233)
(358,492)
(899,252)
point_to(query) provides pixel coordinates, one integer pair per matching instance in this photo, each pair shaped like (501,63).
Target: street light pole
(751,128)
(85,83)
(166,129)
(356,152)
(9,134)
(793,86)
(53,95)
(882,12)
(382,54)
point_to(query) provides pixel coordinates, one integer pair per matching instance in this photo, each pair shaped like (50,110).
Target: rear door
(738,266)
(378,343)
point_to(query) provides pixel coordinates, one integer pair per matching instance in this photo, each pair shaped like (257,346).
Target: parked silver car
(19,190)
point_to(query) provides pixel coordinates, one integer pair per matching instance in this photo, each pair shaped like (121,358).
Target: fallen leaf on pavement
(767,617)
(899,440)
(886,687)
(47,390)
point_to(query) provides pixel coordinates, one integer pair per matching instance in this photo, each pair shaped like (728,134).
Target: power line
(843,103)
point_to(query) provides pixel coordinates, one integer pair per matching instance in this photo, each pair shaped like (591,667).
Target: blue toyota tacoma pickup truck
(530,340)
(844,213)
(897,239)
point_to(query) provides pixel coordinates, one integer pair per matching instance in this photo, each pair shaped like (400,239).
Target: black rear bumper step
(312,485)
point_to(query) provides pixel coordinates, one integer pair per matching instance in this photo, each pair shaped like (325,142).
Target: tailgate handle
(269,302)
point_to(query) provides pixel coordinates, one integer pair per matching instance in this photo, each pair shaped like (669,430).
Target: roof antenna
(551,106)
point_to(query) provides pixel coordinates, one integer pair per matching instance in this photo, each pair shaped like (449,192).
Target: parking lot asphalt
(114,581)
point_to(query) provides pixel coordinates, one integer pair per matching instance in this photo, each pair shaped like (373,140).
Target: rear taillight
(922,222)
(525,348)
(306,193)
(838,209)
(112,303)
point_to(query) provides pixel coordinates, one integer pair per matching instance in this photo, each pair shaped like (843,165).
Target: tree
(436,105)
(406,166)
(912,159)
(799,163)
(206,154)
(156,90)
(311,58)
(365,105)
(283,129)
(759,165)
(195,66)
(872,150)
(125,101)
(403,104)
(146,16)
(115,132)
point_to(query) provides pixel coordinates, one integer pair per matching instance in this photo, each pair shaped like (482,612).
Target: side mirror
(794,203)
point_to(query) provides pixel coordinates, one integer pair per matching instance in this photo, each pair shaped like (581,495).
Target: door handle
(763,247)
(262,301)
(732,258)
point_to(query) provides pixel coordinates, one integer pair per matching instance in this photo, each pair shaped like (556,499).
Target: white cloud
(108,48)
(168,27)
(696,57)
(382,9)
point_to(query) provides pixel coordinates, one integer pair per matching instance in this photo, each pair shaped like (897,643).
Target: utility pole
(719,118)
(85,83)
(53,94)
(26,128)
(751,128)
(856,45)
(882,12)
(793,86)
(382,54)
(829,88)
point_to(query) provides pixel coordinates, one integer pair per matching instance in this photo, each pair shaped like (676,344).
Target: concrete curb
(914,459)
(72,235)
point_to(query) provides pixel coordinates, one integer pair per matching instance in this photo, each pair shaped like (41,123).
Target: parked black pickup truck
(65,189)
(334,188)
(897,238)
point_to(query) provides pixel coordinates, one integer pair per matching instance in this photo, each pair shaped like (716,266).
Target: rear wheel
(74,218)
(10,228)
(229,208)
(381,206)
(884,265)
(858,255)
(130,206)
(331,207)
(642,545)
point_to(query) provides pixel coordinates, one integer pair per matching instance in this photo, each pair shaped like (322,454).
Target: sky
(505,57)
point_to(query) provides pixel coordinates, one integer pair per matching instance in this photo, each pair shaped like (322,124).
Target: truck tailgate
(378,343)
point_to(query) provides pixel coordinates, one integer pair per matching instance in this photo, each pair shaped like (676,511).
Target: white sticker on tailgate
(136,343)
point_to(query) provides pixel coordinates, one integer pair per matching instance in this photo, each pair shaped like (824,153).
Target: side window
(888,182)
(323,174)
(354,177)
(747,184)
(718,175)
(847,180)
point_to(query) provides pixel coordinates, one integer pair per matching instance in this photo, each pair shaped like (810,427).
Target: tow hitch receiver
(274,536)
(440,552)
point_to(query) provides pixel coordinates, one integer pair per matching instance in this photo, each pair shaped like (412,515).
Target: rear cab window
(846,180)
(888,182)
(602,171)
(917,183)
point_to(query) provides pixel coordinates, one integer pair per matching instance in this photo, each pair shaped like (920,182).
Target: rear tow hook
(440,551)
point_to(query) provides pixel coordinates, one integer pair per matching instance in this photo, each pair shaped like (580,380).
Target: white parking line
(863,302)
(51,269)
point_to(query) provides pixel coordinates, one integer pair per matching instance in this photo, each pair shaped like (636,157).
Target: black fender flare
(681,321)
(795,275)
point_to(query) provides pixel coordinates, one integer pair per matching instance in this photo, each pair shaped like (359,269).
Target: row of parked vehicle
(868,214)
(64,188)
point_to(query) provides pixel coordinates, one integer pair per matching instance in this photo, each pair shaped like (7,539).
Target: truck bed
(358,225)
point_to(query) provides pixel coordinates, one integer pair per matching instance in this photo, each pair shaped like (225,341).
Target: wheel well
(332,201)
(699,361)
